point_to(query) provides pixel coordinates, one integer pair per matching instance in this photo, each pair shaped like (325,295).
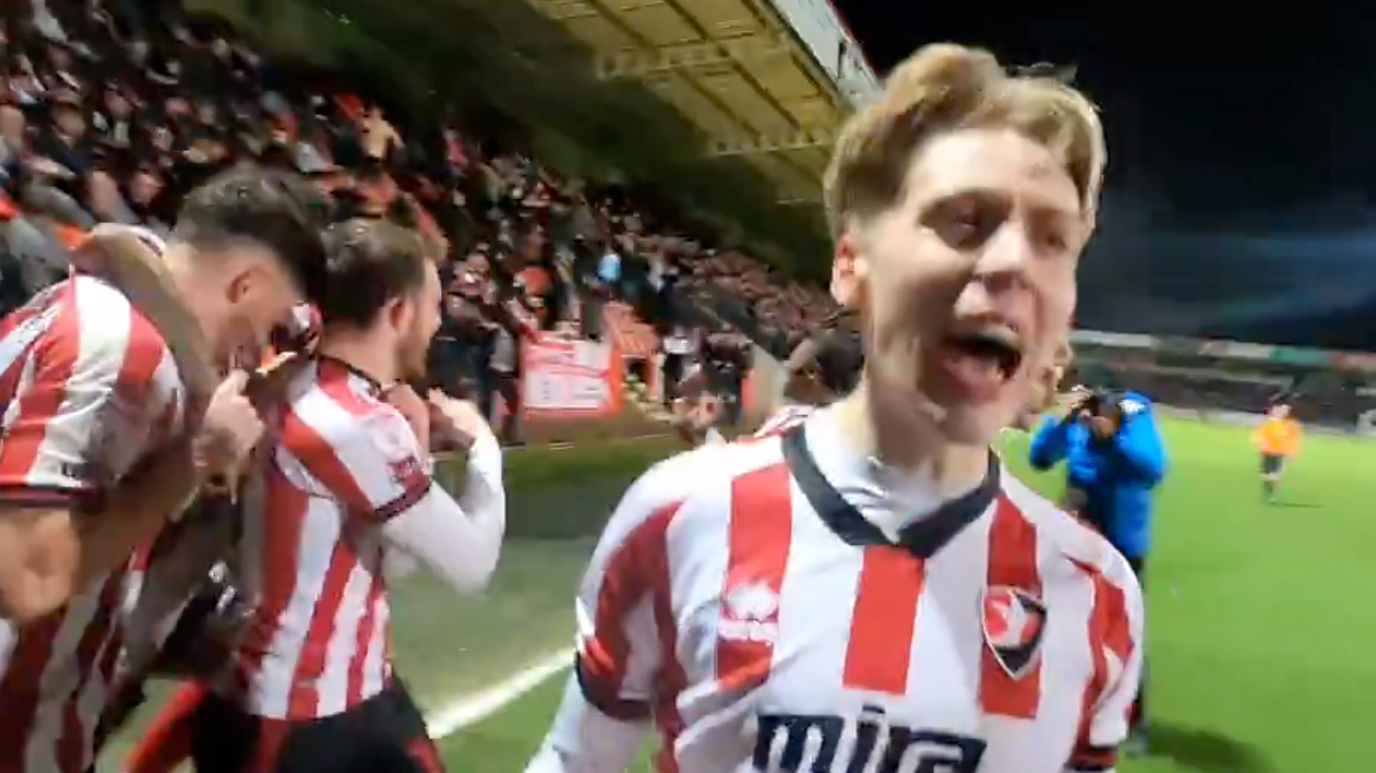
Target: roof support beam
(638,64)
(817,138)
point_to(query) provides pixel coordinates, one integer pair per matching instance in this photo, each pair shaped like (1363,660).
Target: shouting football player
(109,433)
(347,489)
(871,589)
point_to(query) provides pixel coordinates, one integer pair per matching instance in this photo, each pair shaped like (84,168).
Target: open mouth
(997,351)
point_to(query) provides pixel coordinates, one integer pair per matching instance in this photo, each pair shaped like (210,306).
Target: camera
(1099,403)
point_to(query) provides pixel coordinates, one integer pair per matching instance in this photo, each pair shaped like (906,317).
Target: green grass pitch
(1260,620)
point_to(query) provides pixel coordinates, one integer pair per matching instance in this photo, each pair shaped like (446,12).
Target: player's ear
(848,271)
(241,284)
(395,313)
(248,275)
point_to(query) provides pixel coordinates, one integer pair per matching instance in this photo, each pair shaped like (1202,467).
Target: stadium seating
(111,111)
(1320,402)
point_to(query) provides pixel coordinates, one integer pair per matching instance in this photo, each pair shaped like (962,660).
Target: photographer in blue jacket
(1114,458)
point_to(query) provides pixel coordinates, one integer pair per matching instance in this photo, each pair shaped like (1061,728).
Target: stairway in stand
(636,338)
(638,342)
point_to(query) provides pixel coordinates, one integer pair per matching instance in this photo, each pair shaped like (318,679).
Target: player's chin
(976,425)
(976,420)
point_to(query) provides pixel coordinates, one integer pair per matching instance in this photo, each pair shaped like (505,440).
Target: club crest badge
(1014,623)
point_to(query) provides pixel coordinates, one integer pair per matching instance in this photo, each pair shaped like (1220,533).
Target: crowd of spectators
(110,110)
(778,311)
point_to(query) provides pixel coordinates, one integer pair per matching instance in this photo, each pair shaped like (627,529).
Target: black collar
(923,537)
(333,366)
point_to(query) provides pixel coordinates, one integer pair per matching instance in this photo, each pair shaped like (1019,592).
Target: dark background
(1241,194)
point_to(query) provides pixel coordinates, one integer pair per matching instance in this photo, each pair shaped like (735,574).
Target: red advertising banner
(569,378)
(1362,363)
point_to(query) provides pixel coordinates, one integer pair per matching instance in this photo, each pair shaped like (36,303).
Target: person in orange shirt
(1278,439)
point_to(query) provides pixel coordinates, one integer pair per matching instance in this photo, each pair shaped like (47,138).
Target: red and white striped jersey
(89,388)
(747,597)
(344,462)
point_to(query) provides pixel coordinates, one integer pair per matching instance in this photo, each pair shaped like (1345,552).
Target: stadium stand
(111,110)
(1326,388)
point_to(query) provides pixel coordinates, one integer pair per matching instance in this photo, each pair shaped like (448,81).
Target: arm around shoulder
(61,526)
(51,551)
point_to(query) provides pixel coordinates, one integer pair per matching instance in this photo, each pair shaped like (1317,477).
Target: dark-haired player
(348,489)
(822,368)
(98,449)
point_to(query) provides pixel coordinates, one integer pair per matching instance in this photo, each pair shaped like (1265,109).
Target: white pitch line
(475,707)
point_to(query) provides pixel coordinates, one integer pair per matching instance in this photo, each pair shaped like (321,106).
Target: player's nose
(1005,259)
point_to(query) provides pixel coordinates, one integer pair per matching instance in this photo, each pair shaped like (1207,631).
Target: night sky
(1241,196)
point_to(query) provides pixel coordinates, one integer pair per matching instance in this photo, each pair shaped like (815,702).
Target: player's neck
(905,443)
(363,352)
(193,285)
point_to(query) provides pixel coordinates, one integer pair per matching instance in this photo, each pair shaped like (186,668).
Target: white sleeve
(610,697)
(398,565)
(1118,631)
(483,487)
(459,542)
(604,745)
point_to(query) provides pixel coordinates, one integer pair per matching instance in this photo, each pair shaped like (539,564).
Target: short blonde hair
(946,87)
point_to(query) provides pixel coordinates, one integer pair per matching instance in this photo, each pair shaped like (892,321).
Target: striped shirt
(344,463)
(89,389)
(744,597)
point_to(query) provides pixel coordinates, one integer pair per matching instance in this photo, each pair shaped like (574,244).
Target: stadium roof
(736,68)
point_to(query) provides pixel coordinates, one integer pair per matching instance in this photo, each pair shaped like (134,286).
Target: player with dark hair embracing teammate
(348,485)
(114,422)
(824,367)
(828,364)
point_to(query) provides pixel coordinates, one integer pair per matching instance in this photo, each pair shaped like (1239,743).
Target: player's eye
(1053,237)
(1053,241)
(965,222)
